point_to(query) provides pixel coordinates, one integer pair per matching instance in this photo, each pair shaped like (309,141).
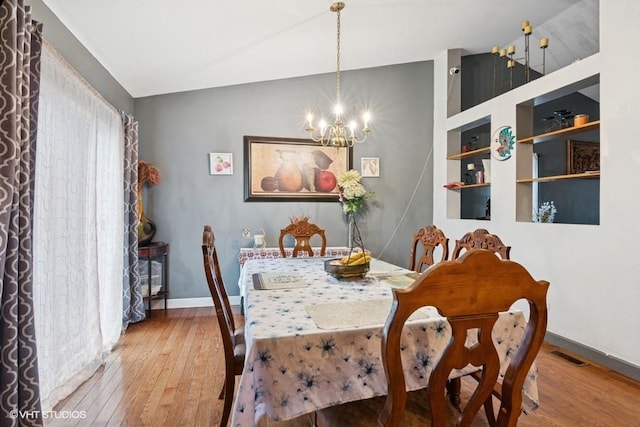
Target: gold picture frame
(582,156)
(292,169)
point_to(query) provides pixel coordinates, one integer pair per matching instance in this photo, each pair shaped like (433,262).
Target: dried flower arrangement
(148,174)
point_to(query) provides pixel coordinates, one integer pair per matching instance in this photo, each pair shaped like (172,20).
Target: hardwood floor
(168,371)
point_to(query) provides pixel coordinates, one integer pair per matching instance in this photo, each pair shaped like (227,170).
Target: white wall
(593,270)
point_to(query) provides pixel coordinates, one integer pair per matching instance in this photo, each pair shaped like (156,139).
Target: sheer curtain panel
(78,239)
(20,47)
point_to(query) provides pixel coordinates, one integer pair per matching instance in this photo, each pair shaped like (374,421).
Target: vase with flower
(545,213)
(353,197)
(148,176)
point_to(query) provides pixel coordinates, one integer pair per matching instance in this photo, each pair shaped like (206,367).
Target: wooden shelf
(567,131)
(586,175)
(469,153)
(467,186)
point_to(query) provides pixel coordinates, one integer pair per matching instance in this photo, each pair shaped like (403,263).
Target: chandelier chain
(338,62)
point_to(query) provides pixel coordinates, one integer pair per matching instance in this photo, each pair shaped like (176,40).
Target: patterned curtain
(20,49)
(133,304)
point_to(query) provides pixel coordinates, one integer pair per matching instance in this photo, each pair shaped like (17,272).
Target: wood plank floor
(168,371)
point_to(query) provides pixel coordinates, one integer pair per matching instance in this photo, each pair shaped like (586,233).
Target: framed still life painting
(292,169)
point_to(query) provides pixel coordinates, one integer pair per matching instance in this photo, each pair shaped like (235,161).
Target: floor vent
(571,359)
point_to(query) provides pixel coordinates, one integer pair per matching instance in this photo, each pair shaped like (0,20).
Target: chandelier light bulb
(338,110)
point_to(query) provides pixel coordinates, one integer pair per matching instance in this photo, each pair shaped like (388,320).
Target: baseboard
(625,368)
(190,302)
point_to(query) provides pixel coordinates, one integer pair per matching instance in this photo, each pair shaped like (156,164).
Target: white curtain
(78,223)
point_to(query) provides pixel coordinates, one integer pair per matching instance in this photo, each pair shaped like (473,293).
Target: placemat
(273,281)
(396,280)
(355,314)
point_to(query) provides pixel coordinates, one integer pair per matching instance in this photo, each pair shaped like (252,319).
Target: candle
(527,30)
(524,24)
(495,49)
(503,52)
(471,166)
(366,117)
(544,42)
(352,127)
(511,49)
(310,119)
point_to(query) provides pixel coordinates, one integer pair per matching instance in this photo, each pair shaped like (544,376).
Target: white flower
(350,176)
(353,195)
(353,189)
(545,213)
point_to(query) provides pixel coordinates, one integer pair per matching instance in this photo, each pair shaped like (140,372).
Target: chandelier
(336,134)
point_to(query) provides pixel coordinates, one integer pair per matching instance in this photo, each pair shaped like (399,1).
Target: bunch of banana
(357,258)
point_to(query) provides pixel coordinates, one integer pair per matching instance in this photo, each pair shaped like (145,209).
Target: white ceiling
(159,46)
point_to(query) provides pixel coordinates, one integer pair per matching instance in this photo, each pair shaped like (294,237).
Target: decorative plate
(502,143)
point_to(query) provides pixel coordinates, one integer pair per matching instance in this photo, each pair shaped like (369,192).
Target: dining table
(314,341)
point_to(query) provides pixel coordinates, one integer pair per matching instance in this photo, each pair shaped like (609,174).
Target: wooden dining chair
(470,292)
(232,338)
(302,231)
(480,239)
(430,237)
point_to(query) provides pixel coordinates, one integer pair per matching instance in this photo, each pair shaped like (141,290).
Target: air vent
(571,359)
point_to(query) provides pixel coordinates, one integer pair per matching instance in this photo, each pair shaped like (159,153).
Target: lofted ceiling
(154,47)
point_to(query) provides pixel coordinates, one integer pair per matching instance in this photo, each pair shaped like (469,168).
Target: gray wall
(79,57)
(177,131)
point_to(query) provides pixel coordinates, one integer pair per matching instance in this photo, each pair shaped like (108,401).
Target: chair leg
(488,410)
(229,386)
(453,389)
(221,396)
(313,419)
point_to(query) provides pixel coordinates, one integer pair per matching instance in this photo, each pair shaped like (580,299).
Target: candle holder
(495,51)
(527,29)
(503,54)
(544,44)
(511,63)
(468,175)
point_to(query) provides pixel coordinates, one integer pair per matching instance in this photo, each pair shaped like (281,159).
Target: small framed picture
(221,163)
(583,156)
(370,167)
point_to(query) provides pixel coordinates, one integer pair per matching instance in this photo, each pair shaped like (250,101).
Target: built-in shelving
(585,175)
(561,132)
(546,160)
(468,186)
(468,163)
(469,153)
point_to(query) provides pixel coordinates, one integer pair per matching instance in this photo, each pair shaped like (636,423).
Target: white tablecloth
(294,367)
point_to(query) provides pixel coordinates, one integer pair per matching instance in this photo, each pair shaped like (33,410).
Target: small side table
(159,252)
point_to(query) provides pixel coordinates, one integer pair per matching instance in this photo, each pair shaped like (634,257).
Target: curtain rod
(53,51)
